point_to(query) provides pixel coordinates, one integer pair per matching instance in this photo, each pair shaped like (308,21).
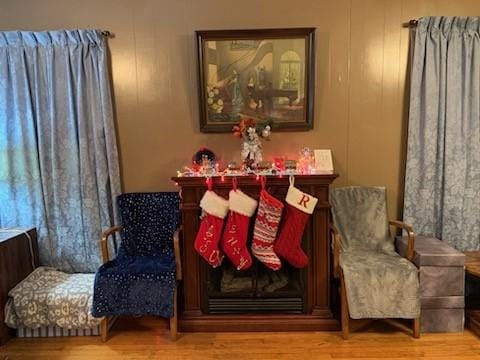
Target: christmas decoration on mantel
(252,149)
(205,162)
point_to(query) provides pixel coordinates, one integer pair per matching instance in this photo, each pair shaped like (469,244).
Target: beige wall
(361,70)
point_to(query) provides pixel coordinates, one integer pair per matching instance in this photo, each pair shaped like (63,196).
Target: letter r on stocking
(304,200)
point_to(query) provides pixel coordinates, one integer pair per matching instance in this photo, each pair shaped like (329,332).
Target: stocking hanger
(263,181)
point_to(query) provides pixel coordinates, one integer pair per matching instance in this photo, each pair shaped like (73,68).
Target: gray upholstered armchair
(375,282)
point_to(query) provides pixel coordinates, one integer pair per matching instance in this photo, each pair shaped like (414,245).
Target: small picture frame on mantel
(265,74)
(323,161)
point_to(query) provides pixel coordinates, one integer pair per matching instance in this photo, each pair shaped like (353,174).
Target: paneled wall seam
(135,55)
(349,112)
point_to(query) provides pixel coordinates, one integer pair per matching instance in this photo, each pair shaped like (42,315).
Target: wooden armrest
(104,241)
(336,249)
(176,248)
(410,237)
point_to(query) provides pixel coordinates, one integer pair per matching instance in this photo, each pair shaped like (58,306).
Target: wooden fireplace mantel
(318,314)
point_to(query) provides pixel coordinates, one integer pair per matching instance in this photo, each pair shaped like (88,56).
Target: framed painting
(265,74)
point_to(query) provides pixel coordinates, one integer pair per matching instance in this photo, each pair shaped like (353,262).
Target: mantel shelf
(226,181)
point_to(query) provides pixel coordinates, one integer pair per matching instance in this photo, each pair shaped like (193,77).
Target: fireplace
(258,290)
(257,299)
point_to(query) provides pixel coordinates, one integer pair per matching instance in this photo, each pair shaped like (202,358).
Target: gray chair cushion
(360,214)
(379,283)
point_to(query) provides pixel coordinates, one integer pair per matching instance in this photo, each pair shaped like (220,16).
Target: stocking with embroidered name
(214,210)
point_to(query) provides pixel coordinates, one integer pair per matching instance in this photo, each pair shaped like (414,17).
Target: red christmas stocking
(297,212)
(234,240)
(215,208)
(266,227)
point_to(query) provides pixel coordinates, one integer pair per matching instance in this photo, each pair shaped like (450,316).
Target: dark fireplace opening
(256,290)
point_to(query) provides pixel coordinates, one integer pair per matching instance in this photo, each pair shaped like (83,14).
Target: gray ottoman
(442,283)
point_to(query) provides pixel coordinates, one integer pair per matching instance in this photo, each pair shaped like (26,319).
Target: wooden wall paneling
(155,78)
(366,125)
(391,115)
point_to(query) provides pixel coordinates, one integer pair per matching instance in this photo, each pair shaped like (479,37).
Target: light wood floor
(148,339)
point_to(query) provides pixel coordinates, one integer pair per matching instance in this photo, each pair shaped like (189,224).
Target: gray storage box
(442,283)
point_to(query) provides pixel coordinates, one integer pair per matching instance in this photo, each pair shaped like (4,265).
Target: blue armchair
(142,278)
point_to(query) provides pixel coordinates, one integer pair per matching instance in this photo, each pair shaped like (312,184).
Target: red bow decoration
(243,125)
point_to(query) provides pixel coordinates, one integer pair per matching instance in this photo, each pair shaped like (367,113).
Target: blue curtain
(58,153)
(442,185)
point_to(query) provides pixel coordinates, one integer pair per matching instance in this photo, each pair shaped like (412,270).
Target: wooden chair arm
(410,237)
(104,241)
(176,248)
(336,250)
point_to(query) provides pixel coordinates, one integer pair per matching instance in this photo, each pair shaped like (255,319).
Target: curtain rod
(412,23)
(108,34)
